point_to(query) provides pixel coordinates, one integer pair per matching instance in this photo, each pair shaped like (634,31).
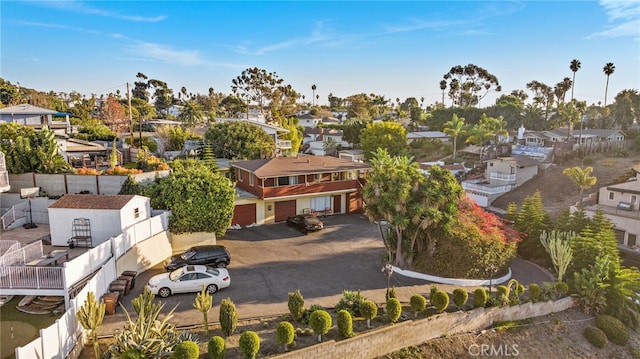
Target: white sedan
(187,279)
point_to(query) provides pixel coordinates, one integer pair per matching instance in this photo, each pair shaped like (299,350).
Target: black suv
(213,255)
(305,223)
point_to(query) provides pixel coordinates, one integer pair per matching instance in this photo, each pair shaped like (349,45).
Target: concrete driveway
(268,262)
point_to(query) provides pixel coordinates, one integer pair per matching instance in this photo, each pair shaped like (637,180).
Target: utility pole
(130,116)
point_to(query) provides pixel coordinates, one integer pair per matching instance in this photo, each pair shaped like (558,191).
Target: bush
(296,305)
(561,288)
(460,297)
(249,344)
(369,311)
(480,297)
(320,322)
(186,350)
(216,347)
(534,292)
(392,293)
(418,303)
(350,302)
(132,354)
(587,161)
(595,336)
(440,300)
(616,332)
(394,309)
(285,334)
(228,317)
(345,323)
(307,313)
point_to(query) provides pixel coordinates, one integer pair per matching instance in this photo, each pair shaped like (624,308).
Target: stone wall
(415,332)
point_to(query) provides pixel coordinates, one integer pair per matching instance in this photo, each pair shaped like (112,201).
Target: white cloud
(56,26)
(166,53)
(318,34)
(624,15)
(82,8)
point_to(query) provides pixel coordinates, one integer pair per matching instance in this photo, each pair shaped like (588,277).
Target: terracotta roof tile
(92,201)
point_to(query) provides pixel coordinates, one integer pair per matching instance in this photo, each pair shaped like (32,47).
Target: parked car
(211,255)
(305,223)
(187,279)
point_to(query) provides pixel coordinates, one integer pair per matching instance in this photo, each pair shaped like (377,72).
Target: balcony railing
(501,176)
(486,189)
(4,181)
(283,144)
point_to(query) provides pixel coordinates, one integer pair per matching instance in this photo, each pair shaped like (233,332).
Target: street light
(388,270)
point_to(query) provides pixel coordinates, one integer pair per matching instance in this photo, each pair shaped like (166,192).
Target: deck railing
(23,255)
(31,277)
(8,245)
(13,214)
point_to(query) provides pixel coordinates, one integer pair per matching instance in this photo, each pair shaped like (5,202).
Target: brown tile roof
(92,201)
(301,164)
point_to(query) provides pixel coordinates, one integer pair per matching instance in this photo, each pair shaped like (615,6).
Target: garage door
(244,214)
(285,209)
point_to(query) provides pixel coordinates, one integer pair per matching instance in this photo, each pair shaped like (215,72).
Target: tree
(626,108)
(313,88)
(531,221)
(574,66)
(193,188)
(608,70)
(112,114)
(256,85)
(191,113)
(561,89)
(581,177)
(479,134)
(239,141)
(203,303)
(390,136)
(455,128)
(543,96)
(295,134)
(469,84)
(557,245)
(443,87)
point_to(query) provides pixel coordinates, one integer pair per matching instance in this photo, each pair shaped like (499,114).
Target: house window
(611,195)
(320,203)
(634,198)
(240,176)
(136,212)
(251,180)
(283,181)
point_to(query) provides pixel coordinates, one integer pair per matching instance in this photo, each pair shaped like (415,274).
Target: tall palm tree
(574,66)
(313,88)
(479,134)
(443,86)
(455,128)
(608,69)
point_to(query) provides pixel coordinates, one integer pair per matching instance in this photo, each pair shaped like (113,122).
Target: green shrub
(616,332)
(440,300)
(285,334)
(345,323)
(392,293)
(503,290)
(561,288)
(460,297)
(186,350)
(595,336)
(131,354)
(228,317)
(394,309)
(369,310)
(432,290)
(296,305)
(350,302)
(418,303)
(249,344)
(320,322)
(216,347)
(534,292)
(548,291)
(307,313)
(480,297)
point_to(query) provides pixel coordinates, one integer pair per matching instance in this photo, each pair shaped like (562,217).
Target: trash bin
(128,279)
(119,286)
(133,275)
(110,300)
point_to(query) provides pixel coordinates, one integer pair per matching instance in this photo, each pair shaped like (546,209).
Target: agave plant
(90,317)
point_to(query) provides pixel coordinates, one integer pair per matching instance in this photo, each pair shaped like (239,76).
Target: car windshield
(213,271)
(173,276)
(188,254)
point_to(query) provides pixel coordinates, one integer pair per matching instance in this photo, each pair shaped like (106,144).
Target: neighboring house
(4,175)
(36,117)
(81,153)
(427,135)
(340,115)
(457,169)
(331,121)
(621,204)
(174,110)
(317,138)
(275,188)
(107,215)
(309,121)
(501,175)
(352,155)
(592,138)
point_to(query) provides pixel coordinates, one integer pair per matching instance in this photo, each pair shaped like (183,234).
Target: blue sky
(396,49)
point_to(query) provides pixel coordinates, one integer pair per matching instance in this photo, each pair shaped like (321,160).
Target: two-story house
(621,204)
(272,189)
(4,175)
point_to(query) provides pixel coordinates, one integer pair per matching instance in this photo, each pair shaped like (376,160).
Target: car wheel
(221,265)
(212,288)
(164,292)
(304,231)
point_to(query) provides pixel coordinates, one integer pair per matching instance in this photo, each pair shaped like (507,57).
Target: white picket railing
(13,214)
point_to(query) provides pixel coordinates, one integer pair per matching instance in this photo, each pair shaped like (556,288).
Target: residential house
(36,117)
(352,155)
(114,213)
(590,139)
(621,204)
(273,189)
(316,139)
(4,175)
(81,153)
(271,130)
(457,169)
(309,121)
(501,175)
(427,135)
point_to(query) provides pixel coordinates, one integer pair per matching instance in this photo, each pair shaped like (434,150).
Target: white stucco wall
(127,218)
(104,224)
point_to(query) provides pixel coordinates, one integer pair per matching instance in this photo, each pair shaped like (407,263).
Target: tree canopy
(390,136)
(29,151)
(239,141)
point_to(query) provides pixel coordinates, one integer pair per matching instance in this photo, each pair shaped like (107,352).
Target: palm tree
(455,128)
(608,69)
(313,88)
(581,177)
(479,135)
(443,86)
(191,113)
(574,66)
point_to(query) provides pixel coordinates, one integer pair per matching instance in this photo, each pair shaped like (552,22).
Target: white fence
(8,245)
(22,255)
(64,337)
(13,214)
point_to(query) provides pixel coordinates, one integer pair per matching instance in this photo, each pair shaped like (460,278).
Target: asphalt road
(268,262)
